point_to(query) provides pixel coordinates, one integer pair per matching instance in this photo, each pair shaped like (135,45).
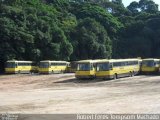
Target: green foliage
(110,23)
(148,6)
(133,7)
(90,40)
(81,29)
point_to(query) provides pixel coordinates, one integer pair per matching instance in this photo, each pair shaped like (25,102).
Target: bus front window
(148,63)
(103,66)
(44,65)
(11,65)
(84,67)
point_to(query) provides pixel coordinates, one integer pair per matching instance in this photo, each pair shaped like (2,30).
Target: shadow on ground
(74,80)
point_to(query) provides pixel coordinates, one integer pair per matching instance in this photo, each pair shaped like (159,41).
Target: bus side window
(111,66)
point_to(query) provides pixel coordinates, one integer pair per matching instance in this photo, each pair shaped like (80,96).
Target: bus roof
(20,61)
(54,61)
(151,59)
(90,61)
(118,60)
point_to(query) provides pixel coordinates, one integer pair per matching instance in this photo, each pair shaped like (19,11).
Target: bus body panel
(150,65)
(149,69)
(20,67)
(89,72)
(43,70)
(92,72)
(124,70)
(10,70)
(85,74)
(57,69)
(53,67)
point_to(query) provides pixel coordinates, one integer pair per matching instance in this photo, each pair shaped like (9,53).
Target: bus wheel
(131,74)
(115,76)
(19,72)
(32,71)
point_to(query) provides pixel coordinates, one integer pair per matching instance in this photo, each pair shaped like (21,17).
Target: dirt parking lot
(62,93)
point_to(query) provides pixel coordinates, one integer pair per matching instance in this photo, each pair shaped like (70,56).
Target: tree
(148,6)
(73,30)
(118,2)
(152,31)
(91,41)
(133,7)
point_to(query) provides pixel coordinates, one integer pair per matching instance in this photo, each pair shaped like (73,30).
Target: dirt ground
(62,93)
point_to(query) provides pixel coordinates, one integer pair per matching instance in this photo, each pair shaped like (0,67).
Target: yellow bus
(13,66)
(86,69)
(72,67)
(150,65)
(115,68)
(48,66)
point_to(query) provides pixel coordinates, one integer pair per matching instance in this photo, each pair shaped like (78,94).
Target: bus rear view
(85,69)
(150,66)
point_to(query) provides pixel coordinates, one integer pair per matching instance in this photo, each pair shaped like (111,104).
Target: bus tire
(115,76)
(131,74)
(32,71)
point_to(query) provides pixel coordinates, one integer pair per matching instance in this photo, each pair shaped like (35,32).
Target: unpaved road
(62,93)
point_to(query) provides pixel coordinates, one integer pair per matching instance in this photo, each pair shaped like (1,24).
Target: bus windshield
(149,63)
(11,65)
(84,67)
(44,65)
(103,66)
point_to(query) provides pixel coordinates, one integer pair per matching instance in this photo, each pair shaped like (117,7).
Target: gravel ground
(62,93)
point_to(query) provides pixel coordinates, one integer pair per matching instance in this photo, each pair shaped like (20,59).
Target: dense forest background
(78,29)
